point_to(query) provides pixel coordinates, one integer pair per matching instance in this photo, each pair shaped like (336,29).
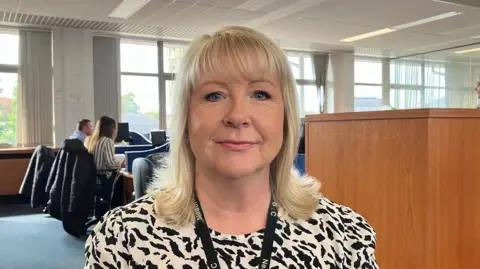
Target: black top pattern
(133,237)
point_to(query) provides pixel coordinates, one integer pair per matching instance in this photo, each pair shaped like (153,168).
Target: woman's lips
(237,145)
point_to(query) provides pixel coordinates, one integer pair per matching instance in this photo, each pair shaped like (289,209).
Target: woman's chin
(238,170)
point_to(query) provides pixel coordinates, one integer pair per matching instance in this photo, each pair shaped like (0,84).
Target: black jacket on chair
(72,185)
(35,180)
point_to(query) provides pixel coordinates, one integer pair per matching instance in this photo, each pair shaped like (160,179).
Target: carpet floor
(33,240)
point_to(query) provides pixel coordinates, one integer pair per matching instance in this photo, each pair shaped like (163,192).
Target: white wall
(343,64)
(72,79)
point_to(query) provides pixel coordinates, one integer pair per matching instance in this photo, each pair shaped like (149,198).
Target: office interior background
(126,67)
(64,60)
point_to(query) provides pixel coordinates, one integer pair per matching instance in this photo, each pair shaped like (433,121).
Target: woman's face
(235,125)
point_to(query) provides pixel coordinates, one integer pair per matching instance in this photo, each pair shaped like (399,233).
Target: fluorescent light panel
(426,20)
(368,35)
(467,51)
(127,8)
(401,27)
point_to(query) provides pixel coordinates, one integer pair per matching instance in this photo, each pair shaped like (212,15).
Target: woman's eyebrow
(263,81)
(208,82)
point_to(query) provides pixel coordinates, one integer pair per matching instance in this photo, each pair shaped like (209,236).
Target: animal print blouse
(133,237)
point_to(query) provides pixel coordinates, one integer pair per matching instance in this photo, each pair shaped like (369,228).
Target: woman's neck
(234,206)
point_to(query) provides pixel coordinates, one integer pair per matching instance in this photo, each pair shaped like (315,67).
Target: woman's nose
(238,115)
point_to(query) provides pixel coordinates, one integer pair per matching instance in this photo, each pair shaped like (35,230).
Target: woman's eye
(214,97)
(261,95)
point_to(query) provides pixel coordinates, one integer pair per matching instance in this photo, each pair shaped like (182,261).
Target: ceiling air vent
(468,3)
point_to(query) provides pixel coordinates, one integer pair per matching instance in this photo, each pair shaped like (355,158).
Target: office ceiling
(295,24)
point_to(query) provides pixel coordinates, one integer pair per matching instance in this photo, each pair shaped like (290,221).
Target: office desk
(127,187)
(13,164)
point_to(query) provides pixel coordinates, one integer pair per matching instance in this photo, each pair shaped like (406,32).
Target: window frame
(355,83)
(301,81)
(146,74)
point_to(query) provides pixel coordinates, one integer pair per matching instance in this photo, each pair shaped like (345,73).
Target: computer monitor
(158,138)
(123,132)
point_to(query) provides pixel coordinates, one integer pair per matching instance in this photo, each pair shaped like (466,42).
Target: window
(8,88)
(368,71)
(368,98)
(170,84)
(140,86)
(417,83)
(172,57)
(301,66)
(368,84)
(309,99)
(139,57)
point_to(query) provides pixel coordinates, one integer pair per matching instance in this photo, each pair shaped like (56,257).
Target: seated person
(142,171)
(102,146)
(84,129)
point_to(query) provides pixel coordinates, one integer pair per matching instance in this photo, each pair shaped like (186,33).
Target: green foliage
(153,114)
(8,122)
(129,106)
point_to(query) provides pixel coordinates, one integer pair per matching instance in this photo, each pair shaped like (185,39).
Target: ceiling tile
(400,40)
(211,2)
(9,5)
(275,6)
(470,19)
(311,29)
(66,8)
(167,12)
(102,11)
(189,16)
(231,3)
(31,6)
(148,11)
(376,13)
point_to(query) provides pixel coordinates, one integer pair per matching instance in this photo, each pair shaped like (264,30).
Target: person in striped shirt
(102,146)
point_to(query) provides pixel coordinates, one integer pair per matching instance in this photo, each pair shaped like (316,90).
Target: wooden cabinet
(413,174)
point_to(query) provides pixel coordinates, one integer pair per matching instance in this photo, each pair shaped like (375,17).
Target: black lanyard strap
(202,231)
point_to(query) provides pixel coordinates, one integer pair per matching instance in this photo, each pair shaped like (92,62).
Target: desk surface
(20,150)
(126,174)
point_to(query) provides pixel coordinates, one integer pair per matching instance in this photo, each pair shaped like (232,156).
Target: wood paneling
(414,177)
(14,164)
(13,171)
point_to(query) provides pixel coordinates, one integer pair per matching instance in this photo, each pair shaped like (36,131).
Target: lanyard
(202,231)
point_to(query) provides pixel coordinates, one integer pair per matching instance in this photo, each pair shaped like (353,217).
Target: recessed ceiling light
(368,35)
(402,26)
(127,8)
(426,20)
(467,51)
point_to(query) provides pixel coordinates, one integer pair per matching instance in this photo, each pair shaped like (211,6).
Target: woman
(102,146)
(229,198)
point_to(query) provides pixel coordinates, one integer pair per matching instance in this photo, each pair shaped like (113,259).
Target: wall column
(72,79)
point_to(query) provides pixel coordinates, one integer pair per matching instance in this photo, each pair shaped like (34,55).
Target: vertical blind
(426,83)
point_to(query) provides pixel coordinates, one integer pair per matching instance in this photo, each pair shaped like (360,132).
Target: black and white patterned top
(133,237)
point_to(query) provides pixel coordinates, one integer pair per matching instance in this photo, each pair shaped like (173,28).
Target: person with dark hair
(84,129)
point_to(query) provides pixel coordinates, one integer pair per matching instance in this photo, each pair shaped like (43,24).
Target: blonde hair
(245,50)
(105,127)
